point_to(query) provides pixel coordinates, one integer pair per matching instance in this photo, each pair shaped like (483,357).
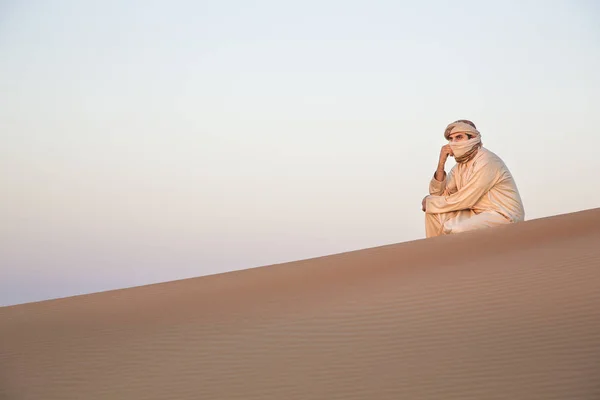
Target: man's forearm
(440,174)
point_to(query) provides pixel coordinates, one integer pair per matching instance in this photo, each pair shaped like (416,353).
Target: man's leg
(435,224)
(476,221)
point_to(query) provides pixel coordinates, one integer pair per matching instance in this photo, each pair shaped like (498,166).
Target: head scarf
(464,151)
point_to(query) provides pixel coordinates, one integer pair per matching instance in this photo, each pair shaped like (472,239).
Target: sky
(150,141)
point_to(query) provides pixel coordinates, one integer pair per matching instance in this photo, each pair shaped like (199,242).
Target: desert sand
(502,313)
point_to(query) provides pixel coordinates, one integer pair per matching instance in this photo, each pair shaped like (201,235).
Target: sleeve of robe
(484,177)
(442,188)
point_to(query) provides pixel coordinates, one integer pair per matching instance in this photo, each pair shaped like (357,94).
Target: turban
(463,126)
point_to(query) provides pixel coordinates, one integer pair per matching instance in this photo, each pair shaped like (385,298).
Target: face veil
(465,150)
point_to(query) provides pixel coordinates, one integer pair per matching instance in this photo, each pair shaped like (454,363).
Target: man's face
(458,137)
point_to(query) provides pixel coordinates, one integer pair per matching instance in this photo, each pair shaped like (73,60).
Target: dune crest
(503,313)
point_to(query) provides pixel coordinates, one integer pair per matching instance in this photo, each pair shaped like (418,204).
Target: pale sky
(148,141)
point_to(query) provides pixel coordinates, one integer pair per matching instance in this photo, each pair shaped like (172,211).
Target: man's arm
(483,179)
(438,184)
(440,174)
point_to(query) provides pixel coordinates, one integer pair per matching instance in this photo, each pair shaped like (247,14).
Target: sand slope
(505,313)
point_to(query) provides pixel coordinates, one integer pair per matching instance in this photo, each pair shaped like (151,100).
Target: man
(478,192)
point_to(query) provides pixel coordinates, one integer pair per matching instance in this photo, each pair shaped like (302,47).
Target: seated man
(478,192)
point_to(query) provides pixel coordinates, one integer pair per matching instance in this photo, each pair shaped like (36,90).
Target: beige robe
(477,194)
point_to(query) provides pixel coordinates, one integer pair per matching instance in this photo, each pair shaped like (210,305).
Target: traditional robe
(476,194)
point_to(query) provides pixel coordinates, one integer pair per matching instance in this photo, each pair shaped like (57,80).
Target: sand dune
(505,313)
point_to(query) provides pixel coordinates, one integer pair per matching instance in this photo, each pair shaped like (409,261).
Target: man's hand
(444,153)
(423,203)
